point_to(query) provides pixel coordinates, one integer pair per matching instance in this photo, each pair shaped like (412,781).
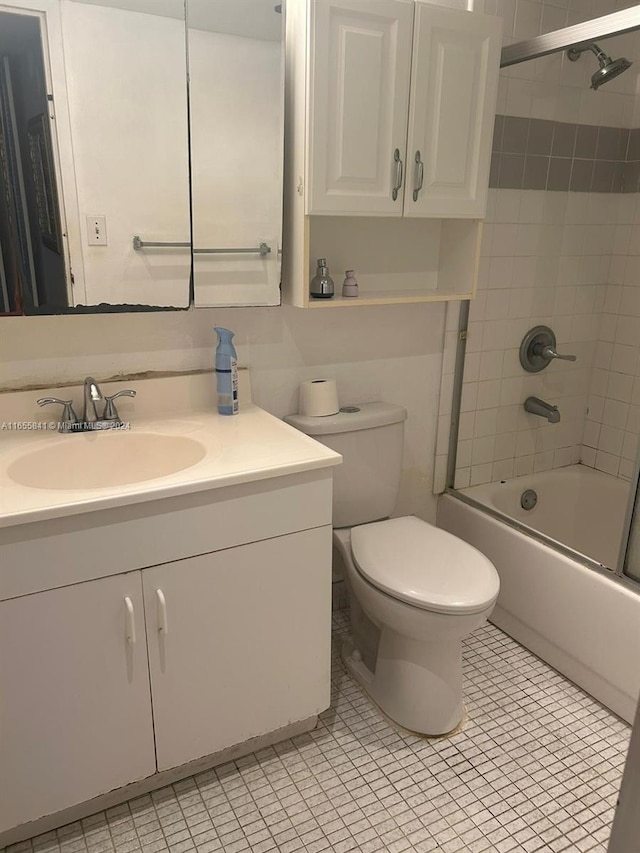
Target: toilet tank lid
(350,419)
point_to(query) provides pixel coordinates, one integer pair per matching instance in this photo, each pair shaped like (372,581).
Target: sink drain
(528,499)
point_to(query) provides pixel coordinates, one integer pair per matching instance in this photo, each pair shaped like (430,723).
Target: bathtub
(582,620)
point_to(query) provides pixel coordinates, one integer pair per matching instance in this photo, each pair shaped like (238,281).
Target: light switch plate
(97,230)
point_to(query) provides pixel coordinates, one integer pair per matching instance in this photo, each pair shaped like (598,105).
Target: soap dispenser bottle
(226,373)
(350,284)
(322,283)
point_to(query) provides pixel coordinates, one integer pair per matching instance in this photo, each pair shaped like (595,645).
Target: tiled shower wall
(569,260)
(612,429)
(545,260)
(561,247)
(538,154)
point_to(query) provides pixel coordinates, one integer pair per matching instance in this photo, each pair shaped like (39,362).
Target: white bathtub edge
(580,622)
(607,694)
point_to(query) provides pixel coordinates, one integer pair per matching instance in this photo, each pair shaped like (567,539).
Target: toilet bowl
(416,591)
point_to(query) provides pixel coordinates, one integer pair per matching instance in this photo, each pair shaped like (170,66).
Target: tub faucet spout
(536,406)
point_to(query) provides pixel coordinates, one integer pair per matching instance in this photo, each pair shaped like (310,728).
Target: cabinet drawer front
(454,83)
(239,643)
(360,65)
(74,697)
(63,551)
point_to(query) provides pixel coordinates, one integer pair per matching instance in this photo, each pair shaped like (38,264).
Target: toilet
(415,591)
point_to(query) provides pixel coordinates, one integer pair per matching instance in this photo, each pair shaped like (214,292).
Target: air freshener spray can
(226,373)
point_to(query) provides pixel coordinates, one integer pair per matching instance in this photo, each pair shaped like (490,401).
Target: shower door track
(624,21)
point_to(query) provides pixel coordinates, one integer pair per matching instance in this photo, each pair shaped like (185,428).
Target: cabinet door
(359,94)
(75,709)
(239,642)
(454,81)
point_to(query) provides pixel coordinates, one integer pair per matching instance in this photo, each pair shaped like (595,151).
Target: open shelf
(396,260)
(385,297)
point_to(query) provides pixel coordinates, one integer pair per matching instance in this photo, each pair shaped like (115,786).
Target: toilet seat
(424,566)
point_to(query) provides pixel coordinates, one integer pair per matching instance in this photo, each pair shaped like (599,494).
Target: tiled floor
(535,768)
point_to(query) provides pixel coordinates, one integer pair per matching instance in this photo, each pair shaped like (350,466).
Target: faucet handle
(110,411)
(549,352)
(69,417)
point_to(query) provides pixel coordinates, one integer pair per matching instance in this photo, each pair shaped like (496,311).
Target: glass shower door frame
(633,512)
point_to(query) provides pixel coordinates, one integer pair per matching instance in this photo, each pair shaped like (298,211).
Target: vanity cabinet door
(239,642)
(75,710)
(454,81)
(360,65)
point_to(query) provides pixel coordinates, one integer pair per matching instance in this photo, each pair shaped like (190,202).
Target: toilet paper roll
(318,398)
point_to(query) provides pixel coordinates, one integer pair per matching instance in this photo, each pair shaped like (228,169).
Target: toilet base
(417,685)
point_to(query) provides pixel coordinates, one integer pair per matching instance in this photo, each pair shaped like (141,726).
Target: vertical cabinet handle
(161,607)
(129,621)
(419,176)
(399,173)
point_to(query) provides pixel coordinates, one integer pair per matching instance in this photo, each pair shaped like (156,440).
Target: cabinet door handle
(129,621)
(419,176)
(399,173)
(161,604)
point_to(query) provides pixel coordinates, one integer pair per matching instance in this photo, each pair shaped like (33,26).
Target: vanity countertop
(250,446)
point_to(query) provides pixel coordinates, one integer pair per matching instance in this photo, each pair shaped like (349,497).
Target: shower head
(609,68)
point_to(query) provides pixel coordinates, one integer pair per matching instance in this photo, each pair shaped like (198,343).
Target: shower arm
(576,52)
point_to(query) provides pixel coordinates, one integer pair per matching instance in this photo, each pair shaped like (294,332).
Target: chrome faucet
(536,406)
(110,419)
(91,395)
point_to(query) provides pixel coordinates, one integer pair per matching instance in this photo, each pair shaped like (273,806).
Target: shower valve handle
(538,349)
(549,353)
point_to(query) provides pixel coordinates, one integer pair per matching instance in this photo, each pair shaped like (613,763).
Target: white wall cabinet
(401,111)
(75,708)
(388,127)
(454,84)
(360,64)
(108,680)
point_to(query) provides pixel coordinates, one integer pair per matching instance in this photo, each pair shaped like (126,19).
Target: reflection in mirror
(236,94)
(93,150)
(32,264)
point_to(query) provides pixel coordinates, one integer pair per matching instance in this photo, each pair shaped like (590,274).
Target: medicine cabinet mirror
(94,151)
(94,154)
(236,96)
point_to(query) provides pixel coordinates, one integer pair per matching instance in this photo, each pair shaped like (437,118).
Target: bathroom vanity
(151,628)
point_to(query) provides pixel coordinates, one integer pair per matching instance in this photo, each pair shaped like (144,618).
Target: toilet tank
(369,437)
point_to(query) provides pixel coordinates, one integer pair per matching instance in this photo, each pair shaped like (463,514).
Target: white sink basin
(101,460)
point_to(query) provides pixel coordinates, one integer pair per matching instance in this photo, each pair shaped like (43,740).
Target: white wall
(126,84)
(391,353)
